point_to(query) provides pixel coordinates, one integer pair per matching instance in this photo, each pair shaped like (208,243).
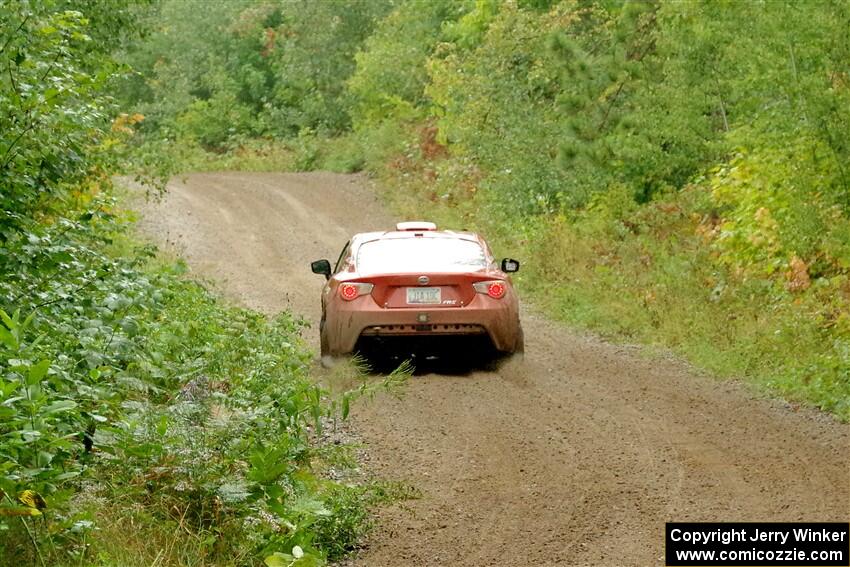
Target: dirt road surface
(577,456)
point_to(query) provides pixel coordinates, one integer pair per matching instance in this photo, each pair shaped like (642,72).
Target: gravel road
(576,456)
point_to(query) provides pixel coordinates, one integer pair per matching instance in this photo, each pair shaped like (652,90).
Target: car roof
(364,237)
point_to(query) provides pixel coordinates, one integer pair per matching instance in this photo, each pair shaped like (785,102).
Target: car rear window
(416,255)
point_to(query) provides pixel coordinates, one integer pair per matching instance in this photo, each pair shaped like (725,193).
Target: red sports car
(406,290)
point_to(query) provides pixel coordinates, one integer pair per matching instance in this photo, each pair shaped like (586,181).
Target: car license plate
(425,295)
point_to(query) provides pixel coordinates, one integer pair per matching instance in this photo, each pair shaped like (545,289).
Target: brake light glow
(350,291)
(495,288)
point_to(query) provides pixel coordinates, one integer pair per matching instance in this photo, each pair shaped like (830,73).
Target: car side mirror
(321,267)
(509,265)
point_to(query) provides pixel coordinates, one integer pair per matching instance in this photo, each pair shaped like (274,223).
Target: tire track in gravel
(576,456)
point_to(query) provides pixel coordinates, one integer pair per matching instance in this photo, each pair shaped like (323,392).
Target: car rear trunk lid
(431,290)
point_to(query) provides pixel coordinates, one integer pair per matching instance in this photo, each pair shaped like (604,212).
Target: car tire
(325,358)
(517,356)
(519,348)
(324,350)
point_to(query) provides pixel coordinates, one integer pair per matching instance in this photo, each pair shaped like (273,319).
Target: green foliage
(215,73)
(468,31)
(52,116)
(651,273)
(200,66)
(497,105)
(774,209)
(341,529)
(312,92)
(127,372)
(390,77)
(344,155)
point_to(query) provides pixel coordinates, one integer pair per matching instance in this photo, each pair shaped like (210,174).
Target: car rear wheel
(325,357)
(323,340)
(509,361)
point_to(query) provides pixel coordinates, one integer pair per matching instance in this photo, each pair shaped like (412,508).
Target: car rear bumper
(498,318)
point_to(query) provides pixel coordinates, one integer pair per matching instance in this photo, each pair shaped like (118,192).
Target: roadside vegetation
(673,173)
(143,421)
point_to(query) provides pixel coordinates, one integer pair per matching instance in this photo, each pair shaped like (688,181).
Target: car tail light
(495,289)
(350,291)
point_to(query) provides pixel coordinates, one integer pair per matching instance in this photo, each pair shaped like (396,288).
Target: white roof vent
(415,226)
